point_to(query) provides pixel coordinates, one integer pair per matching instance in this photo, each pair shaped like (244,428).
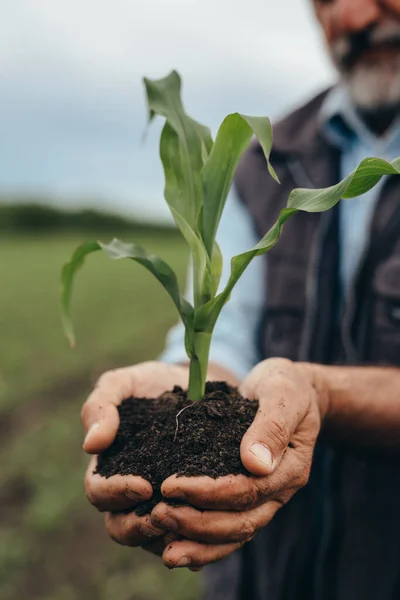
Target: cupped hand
(100,419)
(99,414)
(277,451)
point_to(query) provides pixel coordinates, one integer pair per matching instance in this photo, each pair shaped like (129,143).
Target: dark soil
(207,441)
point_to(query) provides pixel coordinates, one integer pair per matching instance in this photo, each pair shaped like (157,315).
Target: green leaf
(118,250)
(67,279)
(262,129)
(360,181)
(182,189)
(161,270)
(184,146)
(368,174)
(177,194)
(164,99)
(232,140)
(202,273)
(205,136)
(217,264)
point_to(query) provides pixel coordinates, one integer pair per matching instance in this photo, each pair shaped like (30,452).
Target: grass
(52,543)
(116,305)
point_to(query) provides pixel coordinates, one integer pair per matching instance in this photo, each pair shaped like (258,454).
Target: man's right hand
(100,419)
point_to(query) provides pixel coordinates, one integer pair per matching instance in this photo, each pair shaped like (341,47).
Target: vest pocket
(385,325)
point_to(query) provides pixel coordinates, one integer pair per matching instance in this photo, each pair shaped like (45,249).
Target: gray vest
(339,537)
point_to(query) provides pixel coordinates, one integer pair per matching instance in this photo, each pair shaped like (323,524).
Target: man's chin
(375,89)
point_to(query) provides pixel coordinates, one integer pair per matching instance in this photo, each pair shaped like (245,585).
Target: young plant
(198,176)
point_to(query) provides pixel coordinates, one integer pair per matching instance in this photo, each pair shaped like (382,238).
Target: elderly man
(326,301)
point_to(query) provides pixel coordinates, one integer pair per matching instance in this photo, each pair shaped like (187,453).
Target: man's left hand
(277,451)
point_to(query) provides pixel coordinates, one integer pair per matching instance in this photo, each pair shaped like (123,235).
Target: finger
(158,546)
(194,555)
(115,493)
(234,492)
(241,493)
(282,408)
(128,529)
(100,418)
(213,527)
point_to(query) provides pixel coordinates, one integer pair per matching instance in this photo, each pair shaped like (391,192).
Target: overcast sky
(72,108)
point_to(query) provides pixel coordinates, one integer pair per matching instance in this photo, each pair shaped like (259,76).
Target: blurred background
(73,167)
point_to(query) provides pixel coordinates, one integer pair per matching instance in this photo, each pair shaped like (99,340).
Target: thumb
(99,415)
(100,423)
(265,442)
(279,414)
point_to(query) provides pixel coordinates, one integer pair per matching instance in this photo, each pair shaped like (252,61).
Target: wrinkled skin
(277,449)
(363,38)
(347,17)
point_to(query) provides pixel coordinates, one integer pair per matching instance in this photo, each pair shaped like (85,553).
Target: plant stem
(199,366)
(196,384)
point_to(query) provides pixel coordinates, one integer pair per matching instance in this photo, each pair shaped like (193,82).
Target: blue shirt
(234,340)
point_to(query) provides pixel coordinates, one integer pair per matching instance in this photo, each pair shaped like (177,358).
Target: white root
(177,419)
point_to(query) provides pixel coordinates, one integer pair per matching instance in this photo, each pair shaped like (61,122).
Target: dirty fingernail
(166,523)
(92,430)
(183,562)
(263,453)
(174,494)
(132,495)
(147,531)
(169,538)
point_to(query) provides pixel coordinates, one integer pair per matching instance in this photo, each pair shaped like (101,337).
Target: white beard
(375,86)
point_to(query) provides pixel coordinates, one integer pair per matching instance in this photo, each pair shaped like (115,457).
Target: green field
(52,543)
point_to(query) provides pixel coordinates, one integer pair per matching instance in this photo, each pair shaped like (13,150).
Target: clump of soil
(206,441)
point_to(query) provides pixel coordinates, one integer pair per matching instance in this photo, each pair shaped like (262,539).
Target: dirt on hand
(155,441)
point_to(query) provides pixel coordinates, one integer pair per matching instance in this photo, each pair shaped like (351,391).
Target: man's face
(364,41)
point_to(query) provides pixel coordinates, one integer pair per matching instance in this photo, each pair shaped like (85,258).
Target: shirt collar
(341,125)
